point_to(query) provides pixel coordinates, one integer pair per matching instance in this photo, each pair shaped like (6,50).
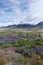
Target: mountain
(21,26)
(40,24)
(25,25)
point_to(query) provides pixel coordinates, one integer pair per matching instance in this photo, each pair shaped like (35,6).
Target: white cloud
(36,10)
(15,11)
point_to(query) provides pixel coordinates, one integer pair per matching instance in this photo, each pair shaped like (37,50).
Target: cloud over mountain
(15,11)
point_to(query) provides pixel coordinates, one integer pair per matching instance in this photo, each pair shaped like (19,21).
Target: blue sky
(15,11)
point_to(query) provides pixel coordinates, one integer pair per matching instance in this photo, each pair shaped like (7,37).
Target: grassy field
(21,47)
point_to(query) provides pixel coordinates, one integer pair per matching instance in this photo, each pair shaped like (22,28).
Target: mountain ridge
(25,25)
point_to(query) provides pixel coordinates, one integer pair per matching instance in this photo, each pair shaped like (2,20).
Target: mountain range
(25,25)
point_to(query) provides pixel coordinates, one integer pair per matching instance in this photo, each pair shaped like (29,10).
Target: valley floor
(18,47)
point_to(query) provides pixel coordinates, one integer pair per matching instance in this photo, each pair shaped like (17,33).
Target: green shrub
(41,55)
(8,59)
(37,62)
(26,51)
(39,42)
(31,53)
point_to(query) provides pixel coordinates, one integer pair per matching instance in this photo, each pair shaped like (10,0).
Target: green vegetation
(39,42)
(37,62)
(41,55)
(28,45)
(22,60)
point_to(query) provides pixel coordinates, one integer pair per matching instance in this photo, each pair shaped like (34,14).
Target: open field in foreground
(21,47)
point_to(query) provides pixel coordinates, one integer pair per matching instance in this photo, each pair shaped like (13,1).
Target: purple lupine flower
(37,49)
